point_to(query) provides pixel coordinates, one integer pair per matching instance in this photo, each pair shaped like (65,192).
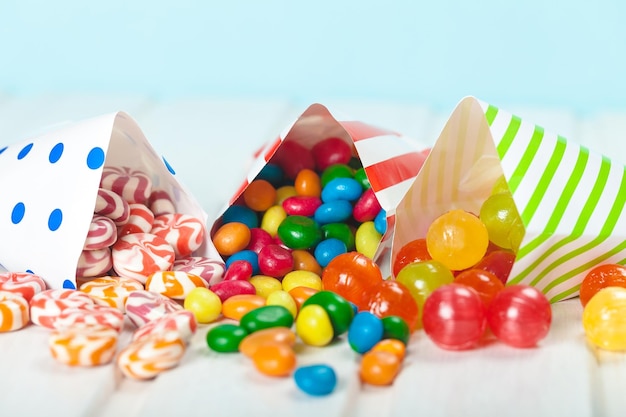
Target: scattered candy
(365,331)
(266,317)
(237,306)
(90,315)
(174,284)
(182,322)
(83,345)
(211,270)
(603,319)
(274,359)
(14,313)
(139,221)
(145,306)
(149,356)
(22,283)
(379,367)
(111,291)
(225,338)
(313,326)
(315,380)
(139,255)
(602,276)
(205,305)
(46,306)
(269,336)
(183,232)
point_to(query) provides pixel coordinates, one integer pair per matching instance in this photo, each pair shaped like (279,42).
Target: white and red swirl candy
(46,306)
(174,284)
(90,315)
(113,206)
(140,255)
(145,306)
(183,322)
(13,311)
(147,357)
(212,270)
(83,345)
(161,203)
(139,221)
(184,232)
(133,185)
(102,233)
(23,283)
(93,263)
(111,291)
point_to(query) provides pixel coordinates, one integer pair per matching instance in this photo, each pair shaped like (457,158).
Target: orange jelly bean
(301,294)
(259,195)
(379,367)
(276,359)
(305,261)
(308,183)
(394,346)
(270,336)
(237,306)
(231,238)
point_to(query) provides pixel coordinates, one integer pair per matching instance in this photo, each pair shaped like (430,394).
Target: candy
(227,289)
(111,291)
(333,212)
(414,251)
(271,173)
(113,206)
(133,185)
(275,261)
(299,232)
(282,298)
(603,319)
(301,278)
(184,232)
(102,233)
(204,304)
(83,345)
(174,284)
(259,195)
(237,306)
(328,249)
(307,184)
(499,263)
(147,357)
(367,207)
(245,255)
(331,151)
(238,270)
(272,219)
(22,283)
(313,325)
(350,275)
(336,171)
(241,214)
(392,346)
(90,315)
(304,261)
(273,335)
(259,238)
(274,359)
(139,255)
(145,306)
(301,205)
(391,298)
(210,270)
(380,222)
(366,239)
(161,203)
(301,294)
(361,176)
(292,157)
(601,276)
(266,317)
(46,306)
(182,322)
(139,221)
(379,368)
(454,317)
(231,238)
(504,224)
(339,310)
(364,332)
(92,263)
(486,284)
(13,311)
(520,316)
(315,380)
(347,189)
(395,327)
(340,231)
(225,338)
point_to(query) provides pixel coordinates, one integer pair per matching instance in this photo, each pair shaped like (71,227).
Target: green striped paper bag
(571,200)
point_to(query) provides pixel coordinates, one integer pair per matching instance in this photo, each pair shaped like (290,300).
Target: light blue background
(539,52)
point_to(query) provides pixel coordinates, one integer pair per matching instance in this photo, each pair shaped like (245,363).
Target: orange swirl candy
(111,291)
(149,356)
(174,284)
(83,345)
(13,311)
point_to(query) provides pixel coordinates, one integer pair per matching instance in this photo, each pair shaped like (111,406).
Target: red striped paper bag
(570,199)
(391,160)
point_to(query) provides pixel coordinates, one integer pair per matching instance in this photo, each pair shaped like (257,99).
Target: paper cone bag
(570,199)
(391,160)
(49,186)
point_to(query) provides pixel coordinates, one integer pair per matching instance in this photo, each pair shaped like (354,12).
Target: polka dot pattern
(25,150)
(3,149)
(169,167)
(55,153)
(18,213)
(55,219)
(95,158)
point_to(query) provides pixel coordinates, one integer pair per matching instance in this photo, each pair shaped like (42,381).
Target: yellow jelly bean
(367,239)
(314,326)
(205,305)
(265,285)
(284,193)
(283,298)
(302,278)
(272,218)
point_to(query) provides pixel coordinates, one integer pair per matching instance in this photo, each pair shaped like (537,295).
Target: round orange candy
(259,195)
(351,275)
(231,238)
(379,367)
(602,276)
(276,359)
(308,183)
(414,251)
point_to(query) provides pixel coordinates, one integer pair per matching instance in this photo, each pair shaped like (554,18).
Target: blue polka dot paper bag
(569,199)
(49,185)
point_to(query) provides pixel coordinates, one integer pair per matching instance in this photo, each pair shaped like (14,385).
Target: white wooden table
(208,142)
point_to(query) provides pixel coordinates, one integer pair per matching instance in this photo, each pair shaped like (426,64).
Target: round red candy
(391,298)
(486,284)
(331,151)
(499,262)
(293,158)
(602,276)
(414,251)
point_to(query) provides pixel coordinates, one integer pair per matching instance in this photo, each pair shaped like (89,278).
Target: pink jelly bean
(275,261)
(93,263)
(182,322)
(133,185)
(184,232)
(226,289)
(211,270)
(331,151)
(367,207)
(259,238)
(140,220)
(160,203)
(293,158)
(46,306)
(145,306)
(113,206)
(301,205)
(22,283)
(102,233)
(238,270)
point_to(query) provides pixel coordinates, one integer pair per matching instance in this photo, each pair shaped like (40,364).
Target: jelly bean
(258,239)
(486,284)
(603,319)
(282,298)
(275,261)
(307,183)
(231,238)
(315,380)
(336,171)
(301,278)
(379,368)
(272,219)
(331,151)
(265,285)
(238,270)
(237,306)
(347,189)
(225,338)
(304,261)
(457,239)
(380,222)
(504,224)
(391,298)
(301,294)
(339,231)
(284,193)
(241,214)
(395,327)
(271,173)
(293,157)
(226,289)
(454,317)
(204,304)
(362,178)
(339,310)
(266,317)
(274,359)
(301,205)
(313,325)
(333,212)
(299,232)
(245,255)
(328,249)
(414,251)
(364,332)
(366,239)
(259,195)
(601,276)
(520,316)
(367,207)
(271,336)
(351,275)
(393,346)
(499,263)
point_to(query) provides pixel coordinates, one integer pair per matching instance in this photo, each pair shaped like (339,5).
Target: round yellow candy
(313,326)
(366,239)
(604,319)
(265,285)
(302,278)
(205,305)
(283,298)
(272,218)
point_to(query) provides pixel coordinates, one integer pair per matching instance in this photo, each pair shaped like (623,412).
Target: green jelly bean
(355,162)
(266,317)
(299,232)
(225,337)
(362,179)
(339,309)
(339,231)
(336,171)
(395,327)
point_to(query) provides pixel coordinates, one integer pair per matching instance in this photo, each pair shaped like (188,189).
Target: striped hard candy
(23,283)
(140,255)
(113,206)
(91,315)
(133,185)
(161,203)
(139,221)
(183,321)
(212,270)
(145,306)
(102,233)
(46,306)
(174,284)
(93,263)
(83,345)
(13,311)
(184,232)
(111,291)
(149,356)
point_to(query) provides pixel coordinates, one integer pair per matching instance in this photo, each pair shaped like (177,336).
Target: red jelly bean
(275,261)
(238,270)
(293,158)
(301,205)
(259,238)
(331,151)
(391,298)
(366,207)
(226,289)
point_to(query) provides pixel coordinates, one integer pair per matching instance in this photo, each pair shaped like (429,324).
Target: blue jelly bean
(342,189)
(327,249)
(333,212)
(315,379)
(365,331)
(241,214)
(245,255)
(271,173)
(380,222)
